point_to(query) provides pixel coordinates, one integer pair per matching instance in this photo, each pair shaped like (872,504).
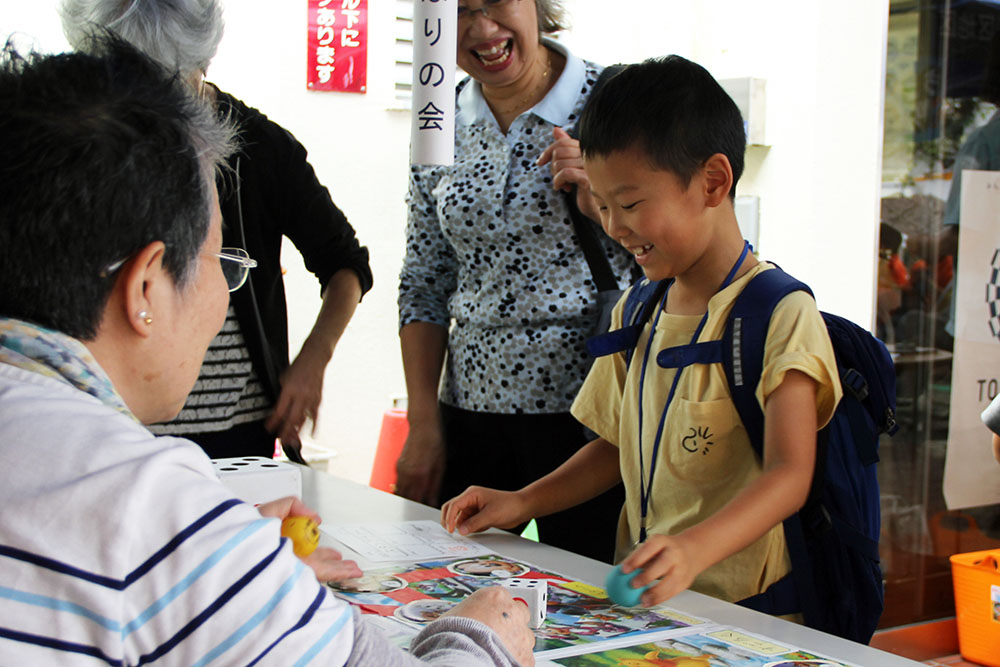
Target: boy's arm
(588,473)
(789,459)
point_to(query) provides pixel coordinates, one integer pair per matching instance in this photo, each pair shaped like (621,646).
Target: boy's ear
(718,179)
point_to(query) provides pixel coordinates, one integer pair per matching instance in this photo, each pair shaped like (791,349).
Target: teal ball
(618,585)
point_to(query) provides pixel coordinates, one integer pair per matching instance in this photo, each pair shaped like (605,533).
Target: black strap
(600,268)
(597,260)
(270,370)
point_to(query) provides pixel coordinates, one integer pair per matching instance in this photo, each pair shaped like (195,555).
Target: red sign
(338,45)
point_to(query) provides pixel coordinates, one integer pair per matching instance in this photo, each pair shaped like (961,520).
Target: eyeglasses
(236,265)
(491,9)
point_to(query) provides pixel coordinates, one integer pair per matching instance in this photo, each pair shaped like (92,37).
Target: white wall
(818,181)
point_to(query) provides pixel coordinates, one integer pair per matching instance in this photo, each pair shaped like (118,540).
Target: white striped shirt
(120,548)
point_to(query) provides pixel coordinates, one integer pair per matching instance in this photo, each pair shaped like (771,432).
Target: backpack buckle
(855,382)
(890,422)
(816,518)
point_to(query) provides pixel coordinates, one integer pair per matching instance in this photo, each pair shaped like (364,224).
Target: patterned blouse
(491,253)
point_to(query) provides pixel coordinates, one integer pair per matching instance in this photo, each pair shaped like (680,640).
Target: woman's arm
(426,282)
(420,467)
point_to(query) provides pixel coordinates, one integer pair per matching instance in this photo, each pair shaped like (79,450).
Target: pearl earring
(144,316)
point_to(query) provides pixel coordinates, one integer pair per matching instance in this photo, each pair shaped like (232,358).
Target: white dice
(532,592)
(256,480)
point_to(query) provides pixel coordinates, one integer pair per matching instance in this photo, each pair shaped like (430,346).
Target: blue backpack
(835,582)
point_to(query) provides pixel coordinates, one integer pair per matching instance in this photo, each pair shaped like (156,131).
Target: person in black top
(247,392)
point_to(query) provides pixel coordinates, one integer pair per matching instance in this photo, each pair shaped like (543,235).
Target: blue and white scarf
(58,356)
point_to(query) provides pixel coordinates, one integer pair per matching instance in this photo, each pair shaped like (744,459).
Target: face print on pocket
(698,439)
(705,441)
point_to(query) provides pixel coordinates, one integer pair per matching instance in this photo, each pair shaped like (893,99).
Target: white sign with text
(971,476)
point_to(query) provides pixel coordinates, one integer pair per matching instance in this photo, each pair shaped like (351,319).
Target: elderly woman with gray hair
(248,393)
(495,286)
(120,547)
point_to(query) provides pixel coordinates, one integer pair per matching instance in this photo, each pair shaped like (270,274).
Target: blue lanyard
(646,488)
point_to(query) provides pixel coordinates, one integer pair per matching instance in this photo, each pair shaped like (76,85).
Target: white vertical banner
(435,35)
(971,476)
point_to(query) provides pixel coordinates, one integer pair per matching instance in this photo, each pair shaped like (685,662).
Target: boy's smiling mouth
(640,250)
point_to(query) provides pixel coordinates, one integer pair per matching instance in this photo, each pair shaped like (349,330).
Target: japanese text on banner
(338,45)
(432,132)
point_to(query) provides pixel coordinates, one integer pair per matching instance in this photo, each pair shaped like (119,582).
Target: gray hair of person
(551,16)
(105,152)
(181,35)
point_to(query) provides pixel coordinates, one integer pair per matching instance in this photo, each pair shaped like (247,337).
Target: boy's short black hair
(670,109)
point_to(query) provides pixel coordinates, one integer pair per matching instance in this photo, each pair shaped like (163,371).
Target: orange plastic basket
(976,576)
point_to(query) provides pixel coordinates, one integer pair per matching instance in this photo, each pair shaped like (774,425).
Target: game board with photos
(715,646)
(579,615)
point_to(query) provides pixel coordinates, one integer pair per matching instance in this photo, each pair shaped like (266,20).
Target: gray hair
(551,16)
(181,35)
(127,157)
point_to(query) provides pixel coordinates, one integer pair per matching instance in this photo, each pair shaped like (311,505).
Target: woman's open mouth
(496,56)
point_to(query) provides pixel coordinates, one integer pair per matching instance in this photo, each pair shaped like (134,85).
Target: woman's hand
(329,565)
(566,164)
(301,393)
(479,508)
(665,558)
(420,467)
(495,608)
(326,563)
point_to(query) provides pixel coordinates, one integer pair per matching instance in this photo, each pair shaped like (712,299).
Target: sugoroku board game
(580,618)
(578,614)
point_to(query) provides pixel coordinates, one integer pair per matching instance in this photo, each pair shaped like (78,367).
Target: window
(403,54)
(937,93)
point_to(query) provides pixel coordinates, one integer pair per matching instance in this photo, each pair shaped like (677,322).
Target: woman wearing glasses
(491,246)
(247,393)
(119,547)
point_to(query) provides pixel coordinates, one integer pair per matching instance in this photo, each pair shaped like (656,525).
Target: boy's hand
(495,607)
(666,558)
(479,508)
(566,164)
(326,563)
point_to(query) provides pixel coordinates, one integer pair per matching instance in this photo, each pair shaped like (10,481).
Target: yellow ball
(303,532)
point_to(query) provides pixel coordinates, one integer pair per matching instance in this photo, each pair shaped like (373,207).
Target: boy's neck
(692,290)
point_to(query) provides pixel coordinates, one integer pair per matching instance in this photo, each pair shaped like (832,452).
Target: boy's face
(649,211)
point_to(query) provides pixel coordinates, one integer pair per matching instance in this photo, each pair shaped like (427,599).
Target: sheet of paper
(405,541)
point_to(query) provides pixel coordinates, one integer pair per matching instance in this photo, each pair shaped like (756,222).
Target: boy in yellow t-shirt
(662,147)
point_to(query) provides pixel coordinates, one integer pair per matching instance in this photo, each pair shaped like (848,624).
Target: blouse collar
(555,108)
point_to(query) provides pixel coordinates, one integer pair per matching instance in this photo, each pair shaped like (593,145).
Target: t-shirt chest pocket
(705,440)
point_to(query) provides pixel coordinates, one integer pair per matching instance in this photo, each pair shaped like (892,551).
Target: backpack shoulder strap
(640,304)
(743,344)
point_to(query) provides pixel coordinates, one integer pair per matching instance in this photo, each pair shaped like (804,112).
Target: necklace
(528,100)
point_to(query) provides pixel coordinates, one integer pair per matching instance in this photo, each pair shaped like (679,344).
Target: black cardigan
(272,191)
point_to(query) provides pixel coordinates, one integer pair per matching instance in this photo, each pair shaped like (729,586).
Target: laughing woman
(495,280)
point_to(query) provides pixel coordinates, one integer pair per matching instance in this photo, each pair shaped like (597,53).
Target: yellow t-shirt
(705,455)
